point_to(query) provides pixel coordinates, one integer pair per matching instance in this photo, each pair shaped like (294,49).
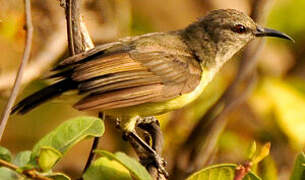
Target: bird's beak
(261,32)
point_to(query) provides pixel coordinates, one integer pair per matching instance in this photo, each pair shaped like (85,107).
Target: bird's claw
(161,164)
(157,161)
(148,120)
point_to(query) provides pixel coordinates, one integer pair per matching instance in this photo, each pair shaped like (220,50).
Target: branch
(26,55)
(154,130)
(79,41)
(48,53)
(210,127)
(94,146)
(40,63)
(56,44)
(78,37)
(151,126)
(32,173)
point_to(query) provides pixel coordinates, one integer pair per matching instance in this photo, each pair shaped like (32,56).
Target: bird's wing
(99,51)
(134,77)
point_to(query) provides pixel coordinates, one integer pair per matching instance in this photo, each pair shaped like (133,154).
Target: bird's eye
(239,29)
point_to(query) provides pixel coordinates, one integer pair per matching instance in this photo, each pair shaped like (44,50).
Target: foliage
(299,168)
(52,147)
(116,166)
(104,168)
(134,167)
(220,172)
(5,154)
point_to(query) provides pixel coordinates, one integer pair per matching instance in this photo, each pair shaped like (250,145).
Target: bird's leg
(149,156)
(146,153)
(152,127)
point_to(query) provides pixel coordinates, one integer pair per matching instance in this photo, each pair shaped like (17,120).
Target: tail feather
(43,95)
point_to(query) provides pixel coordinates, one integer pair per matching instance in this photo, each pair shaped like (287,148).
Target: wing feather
(99,51)
(123,74)
(121,98)
(114,78)
(135,78)
(109,65)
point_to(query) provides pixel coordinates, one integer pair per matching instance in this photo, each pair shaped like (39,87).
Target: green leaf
(104,169)
(298,172)
(264,152)
(134,167)
(252,150)
(59,176)
(48,157)
(5,154)
(8,174)
(22,158)
(64,137)
(220,172)
(267,169)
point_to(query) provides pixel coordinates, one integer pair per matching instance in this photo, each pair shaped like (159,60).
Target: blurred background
(273,111)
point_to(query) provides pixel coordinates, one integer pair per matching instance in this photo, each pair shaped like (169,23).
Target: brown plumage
(144,73)
(130,72)
(152,73)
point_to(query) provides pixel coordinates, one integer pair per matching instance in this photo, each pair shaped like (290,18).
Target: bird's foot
(117,122)
(148,120)
(148,156)
(155,160)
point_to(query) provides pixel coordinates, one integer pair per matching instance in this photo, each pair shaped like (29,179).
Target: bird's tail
(43,95)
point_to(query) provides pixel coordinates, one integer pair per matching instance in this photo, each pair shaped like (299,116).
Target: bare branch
(56,44)
(94,146)
(39,64)
(79,41)
(78,36)
(51,48)
(26,56)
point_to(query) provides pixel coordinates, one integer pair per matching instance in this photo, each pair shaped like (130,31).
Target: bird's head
(231,30)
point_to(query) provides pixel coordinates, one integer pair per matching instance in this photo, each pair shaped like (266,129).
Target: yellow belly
(157,108)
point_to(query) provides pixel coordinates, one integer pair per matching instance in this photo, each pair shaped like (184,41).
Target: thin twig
(57,43)
(94,146)
(78,41)
(91,156)
(78,36)
(26,55)
(68,7)
(40,63)
(32,173)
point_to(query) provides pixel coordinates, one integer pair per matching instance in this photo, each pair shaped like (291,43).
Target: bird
(154,73)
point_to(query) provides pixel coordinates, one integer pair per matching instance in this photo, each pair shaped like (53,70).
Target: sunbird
(154,73)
